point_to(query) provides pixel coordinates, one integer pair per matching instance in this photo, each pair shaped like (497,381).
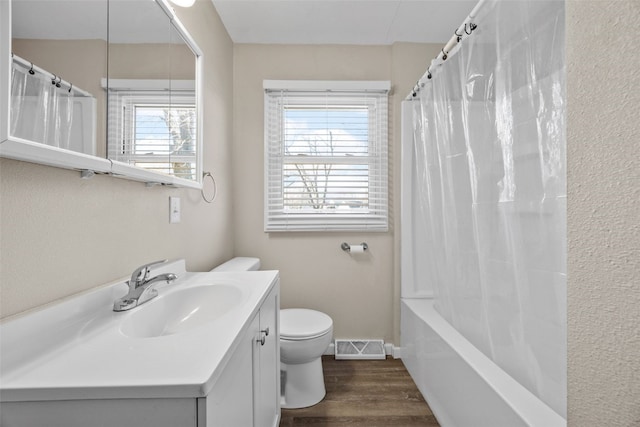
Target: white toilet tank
(239,264)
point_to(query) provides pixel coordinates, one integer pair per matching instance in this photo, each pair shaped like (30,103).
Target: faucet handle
(143,271)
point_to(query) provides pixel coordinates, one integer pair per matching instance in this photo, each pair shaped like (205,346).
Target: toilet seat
(297,324)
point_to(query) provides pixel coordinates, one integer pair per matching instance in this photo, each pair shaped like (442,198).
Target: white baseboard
(389,349)
(330,351)
(392,350)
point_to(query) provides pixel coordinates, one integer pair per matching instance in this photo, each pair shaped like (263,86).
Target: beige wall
(603,213)
(359,293)
(62,235)
(151,61)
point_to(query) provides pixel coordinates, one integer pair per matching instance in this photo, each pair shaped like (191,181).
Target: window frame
(276,216)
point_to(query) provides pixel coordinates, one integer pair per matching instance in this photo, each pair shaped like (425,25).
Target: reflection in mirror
(58,56)
(98,79)
(151,92)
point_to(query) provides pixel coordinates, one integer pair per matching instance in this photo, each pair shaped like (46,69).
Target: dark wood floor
(364,393)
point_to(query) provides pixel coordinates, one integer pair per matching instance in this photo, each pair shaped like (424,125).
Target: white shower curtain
(40,111)
(490,178)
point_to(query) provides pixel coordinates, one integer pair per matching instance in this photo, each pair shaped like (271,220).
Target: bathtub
(463,387)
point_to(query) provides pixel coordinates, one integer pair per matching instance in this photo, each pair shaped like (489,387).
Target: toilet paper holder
(347,247)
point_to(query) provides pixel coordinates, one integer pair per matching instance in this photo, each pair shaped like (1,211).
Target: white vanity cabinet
(223,374)
(248,391)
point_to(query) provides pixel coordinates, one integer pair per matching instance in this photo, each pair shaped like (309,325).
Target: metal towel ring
(215,187)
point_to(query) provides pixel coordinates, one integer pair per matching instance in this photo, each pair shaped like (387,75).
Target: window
(154,130)
(326,156)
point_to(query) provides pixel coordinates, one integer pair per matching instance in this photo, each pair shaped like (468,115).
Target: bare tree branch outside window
(315,177)
(180,122)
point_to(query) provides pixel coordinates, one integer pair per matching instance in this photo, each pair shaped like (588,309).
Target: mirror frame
(21,149)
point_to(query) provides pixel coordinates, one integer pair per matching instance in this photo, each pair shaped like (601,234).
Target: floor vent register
(359,349)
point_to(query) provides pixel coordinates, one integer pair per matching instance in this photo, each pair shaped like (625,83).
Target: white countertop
(76,350)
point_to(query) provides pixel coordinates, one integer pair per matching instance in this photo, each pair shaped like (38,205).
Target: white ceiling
(369,22)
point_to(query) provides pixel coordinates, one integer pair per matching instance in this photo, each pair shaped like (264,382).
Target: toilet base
(303,384)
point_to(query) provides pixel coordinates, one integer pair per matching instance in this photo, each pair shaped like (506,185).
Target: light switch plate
(174,210)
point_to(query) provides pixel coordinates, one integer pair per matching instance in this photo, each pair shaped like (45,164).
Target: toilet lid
(302,323)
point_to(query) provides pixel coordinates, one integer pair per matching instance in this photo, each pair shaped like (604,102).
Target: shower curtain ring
(444,55)
(59,81)
(429,74)
(465,30)
(31,70)
(70,87)
(53,80)
(458,36)
(472,26)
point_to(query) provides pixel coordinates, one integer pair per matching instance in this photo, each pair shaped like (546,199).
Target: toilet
(304,336)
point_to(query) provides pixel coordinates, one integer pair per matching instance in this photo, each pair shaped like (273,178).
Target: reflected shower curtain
(40,111)
(489,153)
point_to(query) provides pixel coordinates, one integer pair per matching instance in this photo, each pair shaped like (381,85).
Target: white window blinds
(326,156)
(154,130)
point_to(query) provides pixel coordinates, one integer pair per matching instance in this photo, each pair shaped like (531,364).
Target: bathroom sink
(181,311)
(176,345)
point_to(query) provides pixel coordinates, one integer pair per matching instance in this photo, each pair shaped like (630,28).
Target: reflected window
(155,131)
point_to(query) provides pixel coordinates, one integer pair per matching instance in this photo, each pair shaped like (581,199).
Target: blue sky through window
(332,134)
(331,131)
(152,133)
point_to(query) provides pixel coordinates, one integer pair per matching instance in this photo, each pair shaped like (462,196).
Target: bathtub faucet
(140,290)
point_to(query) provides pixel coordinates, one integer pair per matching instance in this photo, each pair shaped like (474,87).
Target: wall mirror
(107,86)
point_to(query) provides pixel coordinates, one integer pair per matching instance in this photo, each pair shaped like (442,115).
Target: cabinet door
(230,403)
(267,364)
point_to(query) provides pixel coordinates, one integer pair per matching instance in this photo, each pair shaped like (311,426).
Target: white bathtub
(463,387)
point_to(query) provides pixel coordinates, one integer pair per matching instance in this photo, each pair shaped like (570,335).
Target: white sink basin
(181,310)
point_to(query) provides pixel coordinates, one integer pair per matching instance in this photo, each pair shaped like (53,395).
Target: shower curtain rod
(465,29)
(57,80)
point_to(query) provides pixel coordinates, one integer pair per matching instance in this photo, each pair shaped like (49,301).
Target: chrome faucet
(140,290)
